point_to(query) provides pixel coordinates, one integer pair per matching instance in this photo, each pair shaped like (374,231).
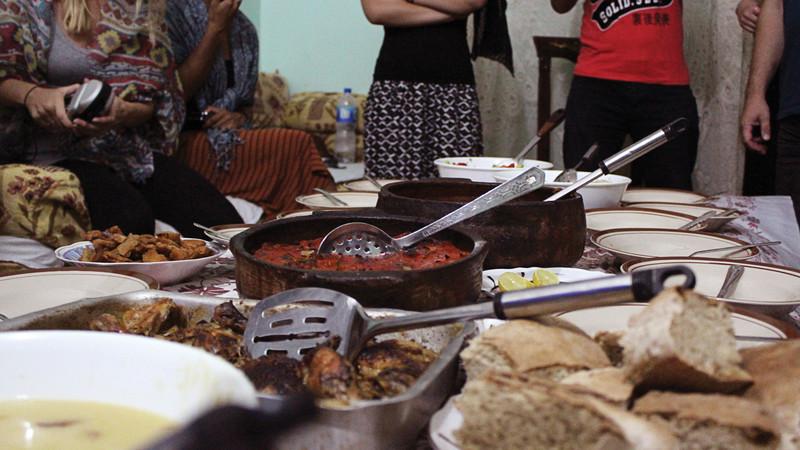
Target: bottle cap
(347,90)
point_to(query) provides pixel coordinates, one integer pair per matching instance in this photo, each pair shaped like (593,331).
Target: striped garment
(271,168)
(187,21)
(138,68)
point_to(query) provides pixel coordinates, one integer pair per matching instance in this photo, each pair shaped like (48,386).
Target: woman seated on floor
(216,48)
(48,49)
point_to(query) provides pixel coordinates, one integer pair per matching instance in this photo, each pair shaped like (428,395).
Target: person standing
(631,79)
(777,44)
(422,104)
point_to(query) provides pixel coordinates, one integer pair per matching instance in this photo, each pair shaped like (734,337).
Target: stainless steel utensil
(332,198)
(698,220)
(211,231)
(571,175)
(735,248)
(295,321)
(3,317)
(369,241)
(552,122)
(372,181)
(627,156)
(732,277)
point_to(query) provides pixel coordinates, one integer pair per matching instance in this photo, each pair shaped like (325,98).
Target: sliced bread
(711,421)
(776,385)
(530,347)
(504,410)
(683,342)
(608,384)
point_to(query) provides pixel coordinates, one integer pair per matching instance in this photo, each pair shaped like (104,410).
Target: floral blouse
(137,63)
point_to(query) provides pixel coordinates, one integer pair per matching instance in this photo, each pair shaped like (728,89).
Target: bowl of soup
(83,389)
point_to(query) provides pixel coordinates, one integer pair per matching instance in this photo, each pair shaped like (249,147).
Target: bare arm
(767,54)
(194,70)
(453,7)
(563,6)
(400,13)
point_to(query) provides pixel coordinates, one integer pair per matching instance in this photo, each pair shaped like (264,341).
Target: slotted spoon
(369,241)
(295,321)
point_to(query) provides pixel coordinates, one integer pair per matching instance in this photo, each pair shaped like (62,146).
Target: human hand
(102,124)
(221,13)
(47,107)
(755,115)
(747,12)
(222,118)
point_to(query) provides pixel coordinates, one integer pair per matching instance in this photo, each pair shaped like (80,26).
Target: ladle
(369,241)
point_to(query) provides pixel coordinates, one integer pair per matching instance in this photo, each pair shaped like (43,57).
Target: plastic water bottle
(346,117)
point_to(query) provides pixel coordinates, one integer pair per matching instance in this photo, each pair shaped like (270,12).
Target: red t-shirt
(633,40)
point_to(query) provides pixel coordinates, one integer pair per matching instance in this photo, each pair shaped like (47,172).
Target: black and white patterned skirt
(408,125)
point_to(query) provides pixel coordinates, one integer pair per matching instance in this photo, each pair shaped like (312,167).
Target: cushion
(42,203)
(272,95)
(315,112)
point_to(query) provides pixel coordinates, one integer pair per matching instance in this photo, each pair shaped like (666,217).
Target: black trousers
(606,111)
(174,194)
(787,173)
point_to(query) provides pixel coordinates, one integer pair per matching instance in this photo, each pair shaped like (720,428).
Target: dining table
(762,219)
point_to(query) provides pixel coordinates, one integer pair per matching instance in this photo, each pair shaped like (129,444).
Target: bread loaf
(683,342)
(504,410)
(776,385)
(711,421)
(530,347)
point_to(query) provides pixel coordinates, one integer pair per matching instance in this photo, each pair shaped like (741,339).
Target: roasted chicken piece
(107,322)
(328,374)
(390,367)
(227,316)
(275,374)
(153,319)
(215,339)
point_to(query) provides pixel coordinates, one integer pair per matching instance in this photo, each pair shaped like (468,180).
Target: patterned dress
(133,59)
(422,104)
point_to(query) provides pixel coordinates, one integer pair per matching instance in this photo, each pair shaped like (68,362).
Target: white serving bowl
(165,272)
(605,192)
(483,168)
(171,380)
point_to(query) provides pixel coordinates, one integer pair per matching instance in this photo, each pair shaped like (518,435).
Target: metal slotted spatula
(369,241)
(296,321)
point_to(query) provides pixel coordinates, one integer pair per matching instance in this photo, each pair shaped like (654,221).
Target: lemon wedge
(544,277)
(510,281)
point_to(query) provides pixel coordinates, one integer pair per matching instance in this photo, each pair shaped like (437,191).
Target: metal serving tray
(392,423)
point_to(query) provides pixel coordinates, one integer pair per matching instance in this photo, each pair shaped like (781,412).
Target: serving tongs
(368,241)
(296,321)
(627,156)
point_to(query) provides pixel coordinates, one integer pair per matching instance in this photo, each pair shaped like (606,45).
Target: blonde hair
(78,20)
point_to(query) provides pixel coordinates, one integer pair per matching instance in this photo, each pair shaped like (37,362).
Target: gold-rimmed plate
(646,243)
(611,218)
(640,195)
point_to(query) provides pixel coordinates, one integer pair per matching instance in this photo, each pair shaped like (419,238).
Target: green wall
(318,45)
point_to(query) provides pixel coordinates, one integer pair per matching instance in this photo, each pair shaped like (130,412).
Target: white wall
(321,45)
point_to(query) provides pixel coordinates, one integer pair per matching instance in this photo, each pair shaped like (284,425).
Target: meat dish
(112,245)
(303,255)
(383,369)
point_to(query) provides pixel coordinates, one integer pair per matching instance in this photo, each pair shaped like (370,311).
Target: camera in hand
(195,120)
(92,99)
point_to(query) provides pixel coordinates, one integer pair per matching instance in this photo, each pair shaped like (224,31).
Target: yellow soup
(51,424)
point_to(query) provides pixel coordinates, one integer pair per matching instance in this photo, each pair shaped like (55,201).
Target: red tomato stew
(303,255)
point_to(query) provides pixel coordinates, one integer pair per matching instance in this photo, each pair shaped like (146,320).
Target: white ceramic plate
(443,426)
(639,195)
(607,219)
(353,200)
(634,243)
(366,186)
(227,232)
(25,292)
(605,192)
(761,284)
(692,210)
(615,318)
(298,213)
(483,168)
(165,272)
